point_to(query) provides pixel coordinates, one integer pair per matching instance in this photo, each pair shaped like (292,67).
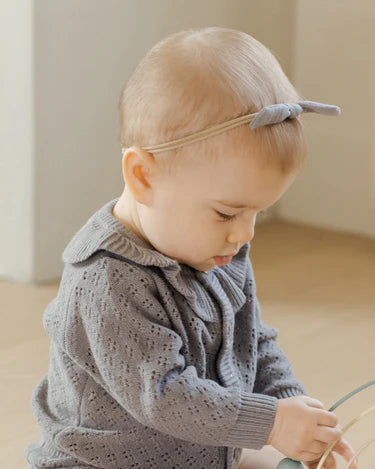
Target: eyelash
(225,217)
(230,217)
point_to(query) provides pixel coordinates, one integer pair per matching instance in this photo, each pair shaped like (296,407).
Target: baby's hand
(302,429)
(342,447)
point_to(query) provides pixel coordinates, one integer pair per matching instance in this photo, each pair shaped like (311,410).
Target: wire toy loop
(355,420)
(292,463)
(359,452)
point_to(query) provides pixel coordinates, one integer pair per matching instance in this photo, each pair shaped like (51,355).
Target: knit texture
(154,364)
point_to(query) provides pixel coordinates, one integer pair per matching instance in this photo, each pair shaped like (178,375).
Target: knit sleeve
(118,330)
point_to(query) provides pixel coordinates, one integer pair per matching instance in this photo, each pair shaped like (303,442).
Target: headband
(272,114)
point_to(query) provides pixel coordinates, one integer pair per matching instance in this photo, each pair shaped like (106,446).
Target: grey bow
(276,113)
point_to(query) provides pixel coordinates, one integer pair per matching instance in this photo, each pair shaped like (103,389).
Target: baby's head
(186,83)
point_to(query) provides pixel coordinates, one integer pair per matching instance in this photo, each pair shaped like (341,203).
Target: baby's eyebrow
(235,204)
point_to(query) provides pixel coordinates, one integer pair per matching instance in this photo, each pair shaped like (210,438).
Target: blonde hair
(197,78)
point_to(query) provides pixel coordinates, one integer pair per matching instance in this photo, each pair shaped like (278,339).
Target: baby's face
(184,220)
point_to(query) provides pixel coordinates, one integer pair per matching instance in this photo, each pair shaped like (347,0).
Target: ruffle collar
(103,231)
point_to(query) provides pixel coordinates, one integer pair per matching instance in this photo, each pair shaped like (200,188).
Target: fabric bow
(275,113)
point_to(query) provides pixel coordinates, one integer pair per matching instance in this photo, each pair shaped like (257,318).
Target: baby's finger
(310,401)
(324,417)
(344,448)
(309,456)
(311,465)
(317,447)
(330,462)
(327,434)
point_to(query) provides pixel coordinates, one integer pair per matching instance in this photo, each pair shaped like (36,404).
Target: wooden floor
(316,287)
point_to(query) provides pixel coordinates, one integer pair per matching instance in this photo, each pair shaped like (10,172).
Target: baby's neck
(125,212)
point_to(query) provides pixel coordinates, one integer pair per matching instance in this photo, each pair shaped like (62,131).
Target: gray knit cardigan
(153,364)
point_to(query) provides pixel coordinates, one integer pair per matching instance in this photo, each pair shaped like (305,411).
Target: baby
(158,356)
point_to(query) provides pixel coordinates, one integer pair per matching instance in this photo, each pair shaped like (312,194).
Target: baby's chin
(204,265)
(201,266)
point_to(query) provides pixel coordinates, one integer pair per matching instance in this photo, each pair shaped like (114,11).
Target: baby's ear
(138,168)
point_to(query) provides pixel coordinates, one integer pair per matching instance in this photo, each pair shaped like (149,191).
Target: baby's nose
(241,235)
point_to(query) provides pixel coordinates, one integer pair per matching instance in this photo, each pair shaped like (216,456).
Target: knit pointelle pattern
(154,364)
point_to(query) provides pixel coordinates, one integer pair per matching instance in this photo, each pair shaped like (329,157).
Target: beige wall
(334,62)
(65,87)
(63,65)
(16,140)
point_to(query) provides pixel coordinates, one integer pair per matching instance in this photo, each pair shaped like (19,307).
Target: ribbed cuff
(290,392)
(253,426)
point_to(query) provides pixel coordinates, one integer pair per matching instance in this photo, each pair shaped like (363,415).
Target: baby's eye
(224,216)
(230,217)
